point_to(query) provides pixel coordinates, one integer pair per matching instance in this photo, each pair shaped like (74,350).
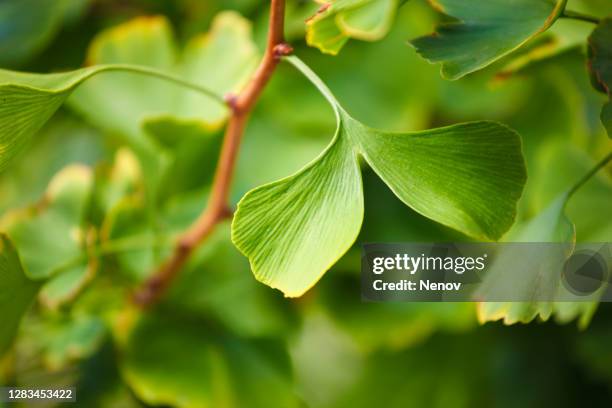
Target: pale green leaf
(221,60)
(338,21)
(484,32)
(17,292)
(295,229)
(468,177)
(120,101)
(600,65)
(28,101)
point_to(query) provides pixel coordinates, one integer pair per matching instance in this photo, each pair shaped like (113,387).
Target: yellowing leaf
(339,20)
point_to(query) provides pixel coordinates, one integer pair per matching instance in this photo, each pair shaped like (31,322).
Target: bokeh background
(222,339)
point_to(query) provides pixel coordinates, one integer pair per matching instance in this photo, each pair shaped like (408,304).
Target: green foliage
(485,33)
(93,203)
(289,229)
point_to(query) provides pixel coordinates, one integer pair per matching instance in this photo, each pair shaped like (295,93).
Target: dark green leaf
(207,368)
(485,32)
(17,292)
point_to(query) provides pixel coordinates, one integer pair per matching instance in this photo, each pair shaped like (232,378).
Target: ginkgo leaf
(221,60)
(484,32)
(295,229)
(467,176)
(600,65)
(49,235)
(120,102)
(338,21)
(550,226)
(17,292)
(27,101)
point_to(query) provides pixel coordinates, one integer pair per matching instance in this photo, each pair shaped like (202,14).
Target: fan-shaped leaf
(467,176)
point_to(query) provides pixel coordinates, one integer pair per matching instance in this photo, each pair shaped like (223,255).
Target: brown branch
(217,209)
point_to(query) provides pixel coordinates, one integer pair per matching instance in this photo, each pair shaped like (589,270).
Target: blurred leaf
(50,236)
(192,150)
(289,229)
(560,37)
(600,66)
(17,292)
(207,368)
(66,286)
(484,33)
(218,283)
(26,26)
(338,20)
(393,326)
(221,60)
(67,341)
(551,225)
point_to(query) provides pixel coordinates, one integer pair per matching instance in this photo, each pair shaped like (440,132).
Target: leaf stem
(590,174)
(166,77)
(218,209)
(313,78)
(579,16)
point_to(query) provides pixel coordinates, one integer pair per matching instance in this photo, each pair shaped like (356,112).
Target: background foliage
(110,157)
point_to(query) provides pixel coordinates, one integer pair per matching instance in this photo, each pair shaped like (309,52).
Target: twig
(579,16)
(600,165)
(217,209)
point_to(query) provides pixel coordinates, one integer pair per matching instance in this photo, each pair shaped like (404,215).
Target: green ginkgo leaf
(338,21)
(467,176)
(120,102)
(17,292)
(600,65)
(27,101)
(550,226)
(485,31)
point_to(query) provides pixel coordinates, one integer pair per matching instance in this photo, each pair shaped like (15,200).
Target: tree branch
(218,209)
